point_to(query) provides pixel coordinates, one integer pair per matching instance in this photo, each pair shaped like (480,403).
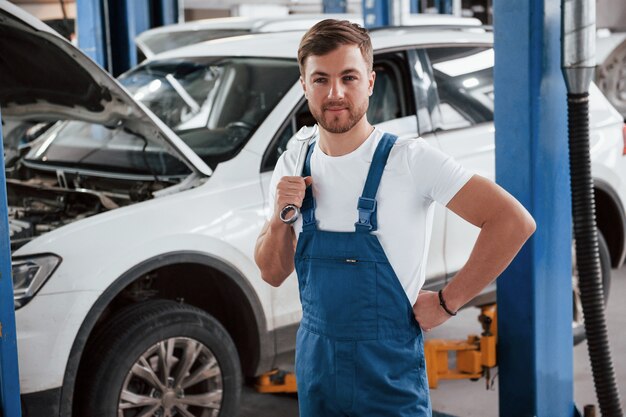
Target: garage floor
(471,399)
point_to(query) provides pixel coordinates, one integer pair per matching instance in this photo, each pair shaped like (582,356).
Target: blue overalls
(359,349)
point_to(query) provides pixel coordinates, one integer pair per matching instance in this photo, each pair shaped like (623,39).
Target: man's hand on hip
(428,313)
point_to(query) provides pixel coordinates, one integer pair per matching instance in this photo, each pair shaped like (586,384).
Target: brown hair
(327,35)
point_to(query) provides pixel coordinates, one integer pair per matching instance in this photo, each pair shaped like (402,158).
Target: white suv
(133,235)
(166,38)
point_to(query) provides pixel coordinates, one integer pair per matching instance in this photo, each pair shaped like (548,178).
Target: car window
(300,117)
(211,93)
(464,81)
(425,91)
(388,101)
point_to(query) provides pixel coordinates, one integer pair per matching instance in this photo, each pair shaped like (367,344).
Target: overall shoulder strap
(367,202)
(308,204)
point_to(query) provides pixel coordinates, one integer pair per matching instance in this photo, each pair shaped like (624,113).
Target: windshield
(213,104)
(161,42)
(96,147)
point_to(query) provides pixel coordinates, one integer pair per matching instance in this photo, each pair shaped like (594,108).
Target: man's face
(337,86)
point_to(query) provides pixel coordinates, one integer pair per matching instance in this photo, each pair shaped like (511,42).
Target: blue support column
(414,6)
(138,15)
(334,6)
(127,19)
(445,6)
(107,29)
(535,351)
(9,374)
(91,30)
(376,13)
(167,13)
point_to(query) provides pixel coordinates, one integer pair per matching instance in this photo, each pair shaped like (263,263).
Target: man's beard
(333,124)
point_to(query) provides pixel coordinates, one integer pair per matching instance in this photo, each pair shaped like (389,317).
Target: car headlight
(29,274)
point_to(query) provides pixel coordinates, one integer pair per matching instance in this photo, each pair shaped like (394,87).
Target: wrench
(304,135)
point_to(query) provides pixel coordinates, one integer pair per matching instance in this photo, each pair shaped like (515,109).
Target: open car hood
(44,77)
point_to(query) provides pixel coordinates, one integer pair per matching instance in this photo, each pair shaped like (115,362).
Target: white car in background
(134,218)
(167,38)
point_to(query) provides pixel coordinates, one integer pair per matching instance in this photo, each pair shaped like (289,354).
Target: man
(361,243)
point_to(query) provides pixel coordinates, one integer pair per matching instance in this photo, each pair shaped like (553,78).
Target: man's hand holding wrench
(290,190)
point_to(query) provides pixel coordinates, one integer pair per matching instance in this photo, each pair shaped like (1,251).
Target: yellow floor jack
(474,358)
(276,381)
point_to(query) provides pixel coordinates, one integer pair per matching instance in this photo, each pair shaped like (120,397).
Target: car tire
(605,267)
(164,358)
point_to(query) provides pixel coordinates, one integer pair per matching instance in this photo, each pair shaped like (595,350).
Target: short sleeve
(437,175)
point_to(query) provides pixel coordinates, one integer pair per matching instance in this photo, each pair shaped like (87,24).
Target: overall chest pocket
(339,294)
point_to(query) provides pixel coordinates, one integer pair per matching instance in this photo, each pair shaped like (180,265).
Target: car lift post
(93,32)
(444,6)
(334,6)
(167,13)
(535,353)
(107,29)
(128,19)
(9,374)
(377,13)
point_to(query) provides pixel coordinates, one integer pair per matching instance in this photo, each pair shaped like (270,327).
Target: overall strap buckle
(367,202)
(308,212)
(367,208)
(308,204)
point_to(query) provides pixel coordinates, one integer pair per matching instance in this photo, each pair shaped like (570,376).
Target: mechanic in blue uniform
(360,245)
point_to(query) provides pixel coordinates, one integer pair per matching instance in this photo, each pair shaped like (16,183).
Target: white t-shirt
(415,176)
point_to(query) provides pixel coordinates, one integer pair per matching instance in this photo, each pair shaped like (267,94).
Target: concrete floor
(472,399)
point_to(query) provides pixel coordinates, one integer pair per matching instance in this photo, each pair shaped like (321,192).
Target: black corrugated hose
(587,256)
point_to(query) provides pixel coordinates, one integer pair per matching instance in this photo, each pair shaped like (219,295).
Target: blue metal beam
(535,351)
(334,6)
(107,29)
(376,13)
(138,15)
(445,6)
(9,374)
(91,30)
(127,19)
(167,13)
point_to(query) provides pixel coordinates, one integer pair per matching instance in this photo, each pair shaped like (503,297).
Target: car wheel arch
(265,348)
